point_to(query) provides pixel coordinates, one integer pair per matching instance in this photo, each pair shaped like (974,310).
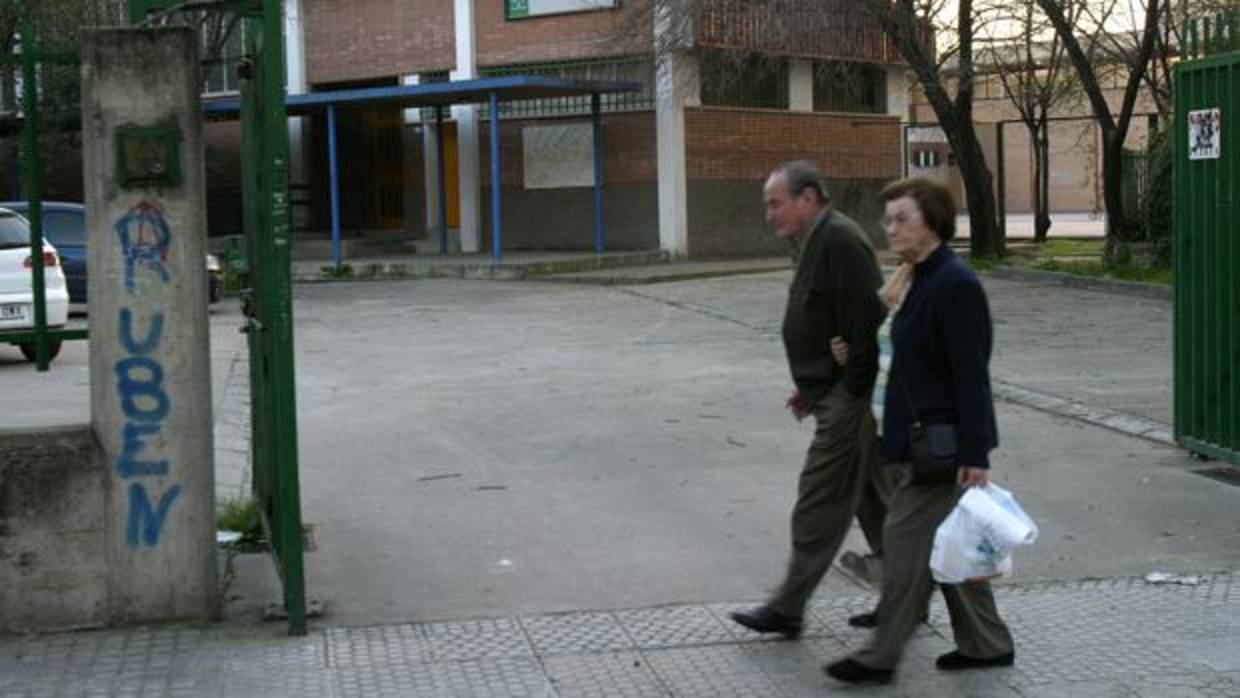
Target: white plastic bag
(976,539)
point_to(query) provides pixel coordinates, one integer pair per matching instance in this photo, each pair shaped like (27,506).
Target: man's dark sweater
(942,338)
(834,293)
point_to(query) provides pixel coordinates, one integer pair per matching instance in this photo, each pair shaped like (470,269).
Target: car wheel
(28,350)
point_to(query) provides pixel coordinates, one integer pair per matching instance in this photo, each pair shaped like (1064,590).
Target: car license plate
(12,312)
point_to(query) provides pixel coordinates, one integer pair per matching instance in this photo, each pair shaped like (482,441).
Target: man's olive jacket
(834,293)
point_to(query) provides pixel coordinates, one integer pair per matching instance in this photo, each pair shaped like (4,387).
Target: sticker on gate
(1205,134)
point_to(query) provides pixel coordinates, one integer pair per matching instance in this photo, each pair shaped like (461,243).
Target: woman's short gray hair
(802,175)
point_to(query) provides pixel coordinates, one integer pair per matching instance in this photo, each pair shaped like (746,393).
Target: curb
(622,279)
(497,271)
(1122,422)
(1129,288)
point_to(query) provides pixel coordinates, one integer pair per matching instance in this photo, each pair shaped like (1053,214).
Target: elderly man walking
(834,294)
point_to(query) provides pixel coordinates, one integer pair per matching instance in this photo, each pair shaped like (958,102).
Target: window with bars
(755,82)
(638,70)
(841,86)
(223,48)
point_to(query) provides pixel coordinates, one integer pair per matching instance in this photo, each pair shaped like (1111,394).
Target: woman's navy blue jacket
(942,338)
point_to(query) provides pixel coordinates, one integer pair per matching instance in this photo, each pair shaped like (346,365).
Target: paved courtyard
(532,488)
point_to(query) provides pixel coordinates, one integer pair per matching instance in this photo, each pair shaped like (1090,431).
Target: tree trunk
(1041,184)
(1118,233)
(984,237)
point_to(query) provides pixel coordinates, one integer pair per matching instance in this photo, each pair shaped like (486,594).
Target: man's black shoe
(864,620)
(764,620)
(850,671)
(954,661)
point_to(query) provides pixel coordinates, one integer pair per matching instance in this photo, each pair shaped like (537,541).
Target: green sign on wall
(518,9)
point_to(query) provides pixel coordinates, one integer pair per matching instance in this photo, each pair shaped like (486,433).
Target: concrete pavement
(1116,637)
(506,451)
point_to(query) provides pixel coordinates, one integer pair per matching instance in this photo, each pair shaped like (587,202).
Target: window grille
(841,86)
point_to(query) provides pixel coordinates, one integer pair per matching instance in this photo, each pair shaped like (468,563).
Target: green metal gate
(267,301)
(1207,241)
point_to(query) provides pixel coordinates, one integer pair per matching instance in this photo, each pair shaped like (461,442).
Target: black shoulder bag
(932,446)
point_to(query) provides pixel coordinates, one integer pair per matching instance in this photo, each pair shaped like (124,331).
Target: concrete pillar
(430,175)
(466,117)
(676,86)
(418,137)
(800,84)
(150,365)
(295,65)
(898,92)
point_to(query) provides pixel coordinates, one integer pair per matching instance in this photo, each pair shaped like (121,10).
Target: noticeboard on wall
(558,156)
(522,9)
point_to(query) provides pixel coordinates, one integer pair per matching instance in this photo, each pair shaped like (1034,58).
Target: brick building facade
(685,157)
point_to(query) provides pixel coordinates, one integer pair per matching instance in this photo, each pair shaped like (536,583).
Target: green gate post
(32,189)
(269,305)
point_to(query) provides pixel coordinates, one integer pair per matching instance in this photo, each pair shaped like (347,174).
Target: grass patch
(984,262)
(344,271)
(1071,248)
(1122,272)
(242,515)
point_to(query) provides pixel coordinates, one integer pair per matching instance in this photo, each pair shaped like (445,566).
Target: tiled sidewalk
(1121,637)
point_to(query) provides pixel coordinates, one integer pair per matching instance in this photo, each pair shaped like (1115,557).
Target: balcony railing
(829,29)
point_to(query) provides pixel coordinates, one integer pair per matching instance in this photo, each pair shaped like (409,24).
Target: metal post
(33,190)
(598,172)
(443,195)
(1001,194)
(904,147)
(333,176)
(497,231)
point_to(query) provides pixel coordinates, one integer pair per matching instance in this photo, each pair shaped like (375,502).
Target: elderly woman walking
(938,429)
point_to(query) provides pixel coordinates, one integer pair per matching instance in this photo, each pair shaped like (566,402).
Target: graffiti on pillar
(144,237)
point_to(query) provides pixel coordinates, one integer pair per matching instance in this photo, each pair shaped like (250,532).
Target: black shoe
(954,661)
(850,671)
(764,620)
(864,620)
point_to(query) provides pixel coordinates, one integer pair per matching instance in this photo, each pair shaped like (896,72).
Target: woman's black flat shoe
(850,671)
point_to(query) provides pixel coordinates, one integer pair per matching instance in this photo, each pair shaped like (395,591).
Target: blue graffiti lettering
(153,333)
(133,385)
(145,523)
(133,443)
(144,236)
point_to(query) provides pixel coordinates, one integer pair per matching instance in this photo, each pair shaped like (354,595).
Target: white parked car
(16,287)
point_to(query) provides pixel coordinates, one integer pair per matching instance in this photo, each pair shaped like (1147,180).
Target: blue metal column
(333,177)
(598,173)
(443,195)
(497,231)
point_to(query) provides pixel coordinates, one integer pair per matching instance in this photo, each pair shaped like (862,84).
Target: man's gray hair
(800,175)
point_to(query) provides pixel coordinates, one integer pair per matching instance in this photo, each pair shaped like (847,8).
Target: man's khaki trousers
(841,469)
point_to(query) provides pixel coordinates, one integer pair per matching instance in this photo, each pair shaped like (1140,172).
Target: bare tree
(1118,48)
(1123,226)
(905,21)
(1031,65)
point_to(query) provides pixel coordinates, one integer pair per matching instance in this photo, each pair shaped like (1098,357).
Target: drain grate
(1225,474)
